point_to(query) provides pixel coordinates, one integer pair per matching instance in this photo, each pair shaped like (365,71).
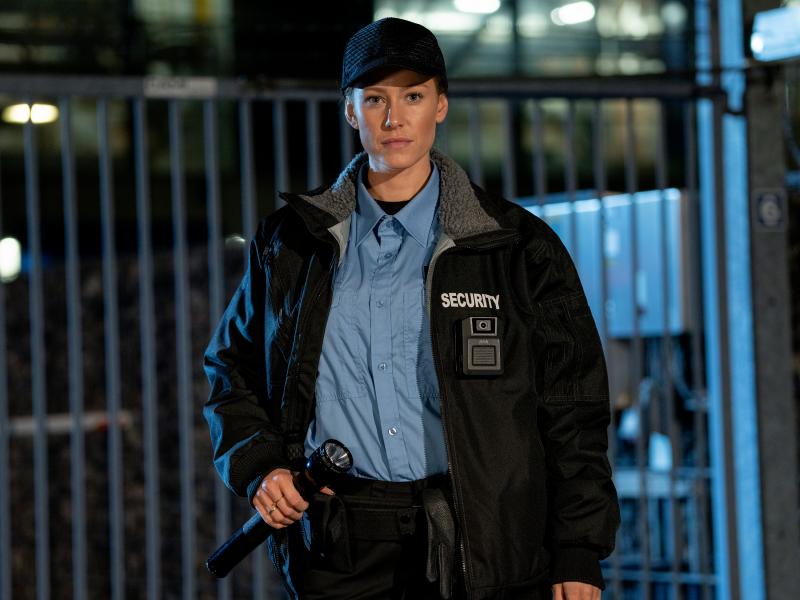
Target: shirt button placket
(382,351)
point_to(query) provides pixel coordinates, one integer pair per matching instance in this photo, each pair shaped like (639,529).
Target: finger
(558,592)
(328,491)
(287,511)
(272,515)
(272,486)
(292,498)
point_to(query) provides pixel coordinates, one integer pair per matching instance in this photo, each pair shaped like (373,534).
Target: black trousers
(345,557)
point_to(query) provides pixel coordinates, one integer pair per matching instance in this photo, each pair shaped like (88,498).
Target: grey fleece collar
(460,213)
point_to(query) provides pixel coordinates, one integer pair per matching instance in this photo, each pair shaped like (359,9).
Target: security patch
(470,300)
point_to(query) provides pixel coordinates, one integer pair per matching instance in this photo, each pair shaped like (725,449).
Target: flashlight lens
(338,455)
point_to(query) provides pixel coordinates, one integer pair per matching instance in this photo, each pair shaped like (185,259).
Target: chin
(397,161)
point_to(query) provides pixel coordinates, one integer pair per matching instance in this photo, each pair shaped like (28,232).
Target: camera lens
(483,325)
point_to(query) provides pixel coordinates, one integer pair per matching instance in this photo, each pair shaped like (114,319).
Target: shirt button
(382,366)
(379,303)
(392,430)
(387,255)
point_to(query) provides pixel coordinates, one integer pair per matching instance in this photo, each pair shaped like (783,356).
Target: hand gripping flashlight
(332,458)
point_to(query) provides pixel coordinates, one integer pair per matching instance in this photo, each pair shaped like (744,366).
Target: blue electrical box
(652,291)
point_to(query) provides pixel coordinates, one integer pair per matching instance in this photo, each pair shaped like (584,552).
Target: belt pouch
(330,540)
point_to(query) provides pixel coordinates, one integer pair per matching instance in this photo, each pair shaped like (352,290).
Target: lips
(396,142)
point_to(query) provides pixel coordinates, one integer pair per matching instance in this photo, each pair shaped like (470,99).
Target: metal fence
(133,207)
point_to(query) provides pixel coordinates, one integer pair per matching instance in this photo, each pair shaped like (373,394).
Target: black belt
(384,510)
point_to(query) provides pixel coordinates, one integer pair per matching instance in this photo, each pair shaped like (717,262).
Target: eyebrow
(403,87)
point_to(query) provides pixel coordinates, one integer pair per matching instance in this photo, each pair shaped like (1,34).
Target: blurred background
(141,141)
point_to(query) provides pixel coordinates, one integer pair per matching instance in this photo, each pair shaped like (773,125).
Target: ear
(441,108)
(349,114)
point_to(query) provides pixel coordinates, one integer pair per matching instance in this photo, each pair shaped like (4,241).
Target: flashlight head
(332,458)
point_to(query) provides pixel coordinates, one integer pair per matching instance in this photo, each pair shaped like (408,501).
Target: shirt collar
(416,217)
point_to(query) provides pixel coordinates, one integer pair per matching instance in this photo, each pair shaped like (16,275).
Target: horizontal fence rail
(139,202)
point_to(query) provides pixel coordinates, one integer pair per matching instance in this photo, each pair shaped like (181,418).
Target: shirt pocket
(418,353)
(341,368)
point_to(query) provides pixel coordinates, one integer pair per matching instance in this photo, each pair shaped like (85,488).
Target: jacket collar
(462,216)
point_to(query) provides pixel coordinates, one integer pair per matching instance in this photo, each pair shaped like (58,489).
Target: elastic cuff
(574,563)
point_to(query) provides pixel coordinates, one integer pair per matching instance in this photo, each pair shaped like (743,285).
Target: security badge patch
(477,337)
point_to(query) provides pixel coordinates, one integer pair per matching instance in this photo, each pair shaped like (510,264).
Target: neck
(396,186)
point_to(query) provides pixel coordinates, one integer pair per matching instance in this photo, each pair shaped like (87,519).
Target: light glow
(572,14)
(445,21)
(39,114)
(757,43)
(10,259)
(481,7)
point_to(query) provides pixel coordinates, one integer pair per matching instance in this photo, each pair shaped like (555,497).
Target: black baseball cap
(392,42)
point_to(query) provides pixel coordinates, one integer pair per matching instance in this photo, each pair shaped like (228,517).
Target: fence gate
(132,201)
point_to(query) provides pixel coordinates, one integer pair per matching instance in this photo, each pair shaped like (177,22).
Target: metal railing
(188,165)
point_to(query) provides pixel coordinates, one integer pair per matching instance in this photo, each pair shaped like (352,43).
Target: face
(396,119)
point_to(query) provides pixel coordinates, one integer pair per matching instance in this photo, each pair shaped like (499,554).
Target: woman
(443,335)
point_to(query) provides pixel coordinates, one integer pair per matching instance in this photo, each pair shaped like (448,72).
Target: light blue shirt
(376,390)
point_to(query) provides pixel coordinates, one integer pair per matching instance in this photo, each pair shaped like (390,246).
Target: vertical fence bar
(599,175)
(147,334)
(249,224)
(668,388)
(540,176)
(698,393)
(510,158)
(215,294)
(183,350)
(475,165)
(5,448)
(346,141)
(570,177)
(314,161)
(74,355)
(281,149)
(636,350)
(38,385)
(116,522)
(246,173)
(442,136)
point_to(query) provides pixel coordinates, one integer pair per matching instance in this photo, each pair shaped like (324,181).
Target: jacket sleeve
(245,437)
(572,382)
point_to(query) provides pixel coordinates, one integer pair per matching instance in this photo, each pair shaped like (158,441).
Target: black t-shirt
(392,208)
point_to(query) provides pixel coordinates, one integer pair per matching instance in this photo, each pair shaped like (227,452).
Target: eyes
(375,100)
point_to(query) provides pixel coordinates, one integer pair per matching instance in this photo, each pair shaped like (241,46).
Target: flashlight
(332,458)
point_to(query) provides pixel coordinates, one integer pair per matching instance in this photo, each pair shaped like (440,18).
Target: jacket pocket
(574,365)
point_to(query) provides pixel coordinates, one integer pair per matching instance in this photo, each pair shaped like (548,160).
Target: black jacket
(527,449)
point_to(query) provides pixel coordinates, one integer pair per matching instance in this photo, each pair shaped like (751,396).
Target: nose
(393,117)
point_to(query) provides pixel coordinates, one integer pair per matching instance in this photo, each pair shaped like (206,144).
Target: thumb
(328,491)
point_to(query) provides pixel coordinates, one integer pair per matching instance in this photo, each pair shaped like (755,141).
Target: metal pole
(475,166)
(762,218)
(246,173)
(38,365)
(75,355)
(636,352)
(539,171)
(111,323)
(149,349)
(313,145)
(5,462)
(215,294)
(281,149)
(183,349)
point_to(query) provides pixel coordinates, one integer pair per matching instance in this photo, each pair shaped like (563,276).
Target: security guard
(443,335)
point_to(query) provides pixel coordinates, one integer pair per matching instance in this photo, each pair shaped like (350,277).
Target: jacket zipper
(442,403)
